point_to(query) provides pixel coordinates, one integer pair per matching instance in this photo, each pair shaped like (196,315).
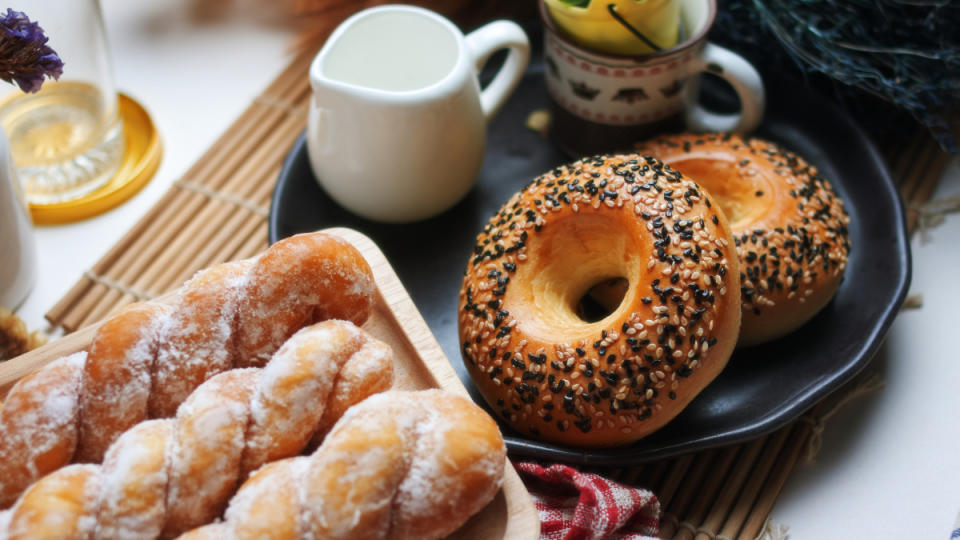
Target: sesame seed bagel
(789,225)
(553,375)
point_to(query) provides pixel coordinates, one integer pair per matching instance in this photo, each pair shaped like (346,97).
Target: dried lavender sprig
(25,57)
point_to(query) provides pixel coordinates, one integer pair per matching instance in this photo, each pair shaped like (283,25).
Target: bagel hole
(602,299)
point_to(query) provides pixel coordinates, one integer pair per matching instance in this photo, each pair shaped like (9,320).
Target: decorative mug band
(625,91)
(616,91)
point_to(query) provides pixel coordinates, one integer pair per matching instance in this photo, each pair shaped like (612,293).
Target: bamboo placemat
(218,211)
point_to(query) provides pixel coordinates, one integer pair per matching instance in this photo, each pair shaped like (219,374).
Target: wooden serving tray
(419,364)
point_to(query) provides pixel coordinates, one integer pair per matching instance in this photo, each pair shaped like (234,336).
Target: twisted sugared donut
(554,375)
(163,477)
(399,465)
(146,359)
(789,225)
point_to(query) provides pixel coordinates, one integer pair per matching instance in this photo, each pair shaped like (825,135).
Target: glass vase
(67,139)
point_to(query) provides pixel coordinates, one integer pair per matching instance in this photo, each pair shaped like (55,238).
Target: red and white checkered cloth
(582,506)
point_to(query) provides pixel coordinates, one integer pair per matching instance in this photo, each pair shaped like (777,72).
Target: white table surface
(888,467)
(889,464)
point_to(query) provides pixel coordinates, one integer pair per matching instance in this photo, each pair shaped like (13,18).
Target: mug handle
(745,81)
(485,41)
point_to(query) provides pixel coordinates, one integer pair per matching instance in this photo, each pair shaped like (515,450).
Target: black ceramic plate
(762,388)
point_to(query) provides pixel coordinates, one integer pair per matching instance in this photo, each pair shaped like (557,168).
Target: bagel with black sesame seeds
(555,376)
(789,225)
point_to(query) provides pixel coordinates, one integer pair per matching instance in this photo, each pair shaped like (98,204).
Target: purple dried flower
(25,57)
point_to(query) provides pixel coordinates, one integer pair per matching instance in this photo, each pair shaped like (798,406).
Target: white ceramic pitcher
(397,125)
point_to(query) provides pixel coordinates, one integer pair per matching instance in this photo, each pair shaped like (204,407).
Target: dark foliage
(876,57)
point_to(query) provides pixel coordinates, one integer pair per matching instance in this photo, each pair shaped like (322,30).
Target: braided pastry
(145,360)
(399,465)
(163,477)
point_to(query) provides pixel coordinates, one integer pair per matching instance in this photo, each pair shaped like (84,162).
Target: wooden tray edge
(18,367)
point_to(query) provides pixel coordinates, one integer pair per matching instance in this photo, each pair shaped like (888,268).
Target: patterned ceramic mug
(603,102)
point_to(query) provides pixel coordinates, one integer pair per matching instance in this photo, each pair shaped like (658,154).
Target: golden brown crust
(398,465)
(555,376)
(52,431)
(110,403)
(147,358)
(197,336)
(68,498)
(789,224)
(132,496)
(302,279)
(163,477)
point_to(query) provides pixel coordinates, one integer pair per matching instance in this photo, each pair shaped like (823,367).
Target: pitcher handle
(485,41)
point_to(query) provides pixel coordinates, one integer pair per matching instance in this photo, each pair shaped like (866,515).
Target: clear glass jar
(66,139)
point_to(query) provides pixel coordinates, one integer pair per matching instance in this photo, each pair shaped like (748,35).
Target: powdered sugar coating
(63,506)
(398,465)
(207,445)
(116,383)
(38,424)
(162,477)
(366,369)
(197,338)
(295,283)
(158,354)
(295,388)
(134,483)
